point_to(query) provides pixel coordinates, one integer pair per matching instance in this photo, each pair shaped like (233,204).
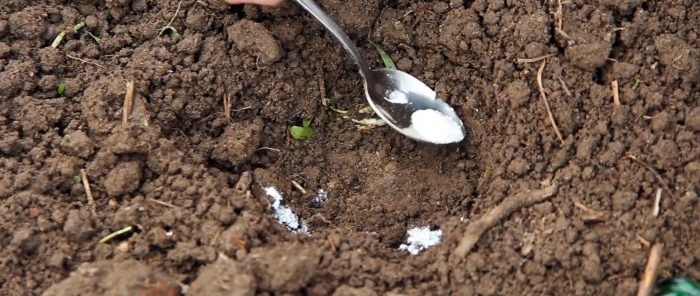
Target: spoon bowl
(404,102)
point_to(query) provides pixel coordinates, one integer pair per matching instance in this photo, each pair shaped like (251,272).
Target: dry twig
(162,203)
(520,200)
(657,203)
(128,101)
(653,171)
(169,25)
(227,107)
(84,61)
(88,192)
(532,60)
(546,103)
(646,284)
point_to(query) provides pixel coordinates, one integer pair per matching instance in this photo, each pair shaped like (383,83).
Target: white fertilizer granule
(421,238)
(284,215)
(397,97)
(435,127)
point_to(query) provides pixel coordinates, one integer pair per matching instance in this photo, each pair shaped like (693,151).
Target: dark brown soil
(190,177)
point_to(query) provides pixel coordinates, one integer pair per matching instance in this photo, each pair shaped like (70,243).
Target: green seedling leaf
(488,172)
(172,32)
(386,58)
(78,26)
(678,287)
(97,39)
(636,84)
(119,232)
(77,178)
(303,132)
(57,41)
(61,89)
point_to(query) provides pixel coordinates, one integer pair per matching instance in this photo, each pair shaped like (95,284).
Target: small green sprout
(77,178)
(172,32)
(636,83)
(78,26)
(125,230)
(97,39)
(61,89)
(386,58)
(488,172)
(57,41)
(303,132)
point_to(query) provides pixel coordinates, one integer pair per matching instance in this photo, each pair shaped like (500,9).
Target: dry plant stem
(88,192)
(653,171)
(162,203)
(546,103)
(657,203)
(84,61)
(227,107)
(177,10)
(520,200)
(128,101)
(532,60)
(646,284)
(615,93)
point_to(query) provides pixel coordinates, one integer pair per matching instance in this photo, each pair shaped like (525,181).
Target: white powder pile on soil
(421,238)
(283,214)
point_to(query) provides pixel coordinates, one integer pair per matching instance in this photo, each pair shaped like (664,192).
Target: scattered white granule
(284,215)
(421,238)
(320,198)
(397,97)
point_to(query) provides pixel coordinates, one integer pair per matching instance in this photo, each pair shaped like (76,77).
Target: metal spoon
(401,100)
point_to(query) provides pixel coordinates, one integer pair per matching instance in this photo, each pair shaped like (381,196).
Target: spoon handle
(337,32)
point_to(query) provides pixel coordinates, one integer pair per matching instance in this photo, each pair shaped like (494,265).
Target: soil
(187,171)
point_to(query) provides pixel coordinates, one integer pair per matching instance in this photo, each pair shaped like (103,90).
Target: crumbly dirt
(190,180)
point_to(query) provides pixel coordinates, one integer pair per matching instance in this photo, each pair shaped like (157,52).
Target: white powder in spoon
(435,127)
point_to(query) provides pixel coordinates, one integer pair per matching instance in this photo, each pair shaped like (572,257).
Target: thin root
(653,171)
(516,202)
(546,103)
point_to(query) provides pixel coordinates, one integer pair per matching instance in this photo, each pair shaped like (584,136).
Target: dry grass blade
(532,60)
(646,284)
(88,192)
(128,101)
(511,204)
(653,171)
(227,107)
(84,61)
(546,103)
